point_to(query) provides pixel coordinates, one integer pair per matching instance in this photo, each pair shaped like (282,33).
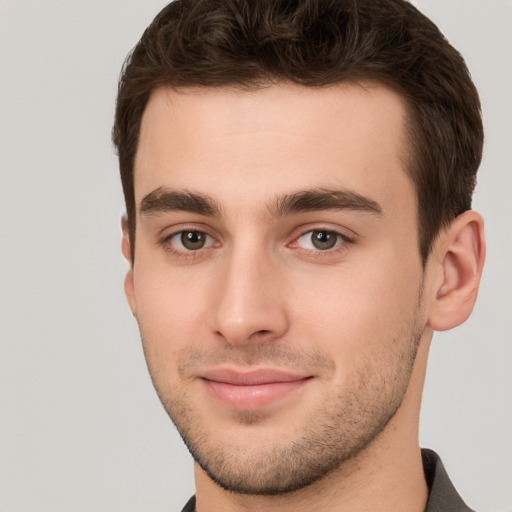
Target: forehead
(276,139)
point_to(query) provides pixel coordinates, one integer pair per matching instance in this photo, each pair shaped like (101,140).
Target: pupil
(323,239)
(192,239)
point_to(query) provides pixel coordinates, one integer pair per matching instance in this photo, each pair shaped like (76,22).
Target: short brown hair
(246,43)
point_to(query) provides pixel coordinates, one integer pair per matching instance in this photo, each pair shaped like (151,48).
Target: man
(298,181)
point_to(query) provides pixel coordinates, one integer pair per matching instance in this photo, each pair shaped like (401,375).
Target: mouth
(254,389)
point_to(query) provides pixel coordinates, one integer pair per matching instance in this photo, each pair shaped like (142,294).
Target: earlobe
(129,287)
(459,256)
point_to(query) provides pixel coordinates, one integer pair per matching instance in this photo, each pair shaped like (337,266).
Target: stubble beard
(337,431)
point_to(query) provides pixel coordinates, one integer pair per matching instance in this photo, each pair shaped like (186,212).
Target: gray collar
(442,494)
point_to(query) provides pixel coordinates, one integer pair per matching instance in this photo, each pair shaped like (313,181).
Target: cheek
(170,312)
(358,313)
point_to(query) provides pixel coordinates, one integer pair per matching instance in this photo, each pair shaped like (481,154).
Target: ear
(129,288)
(457,261)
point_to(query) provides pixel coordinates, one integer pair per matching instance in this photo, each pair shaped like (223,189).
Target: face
(277,279)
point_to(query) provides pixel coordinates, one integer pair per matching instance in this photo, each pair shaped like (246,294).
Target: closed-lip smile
(253,389)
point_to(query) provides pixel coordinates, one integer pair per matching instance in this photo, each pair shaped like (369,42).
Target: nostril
(262,335)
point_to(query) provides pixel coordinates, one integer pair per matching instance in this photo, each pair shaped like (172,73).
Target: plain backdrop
(81,429)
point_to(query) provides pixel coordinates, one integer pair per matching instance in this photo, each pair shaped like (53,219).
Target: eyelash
(340,245)
(166,243)
(342,240)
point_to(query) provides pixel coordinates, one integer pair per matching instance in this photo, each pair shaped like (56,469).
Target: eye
(320,240)
(191,240)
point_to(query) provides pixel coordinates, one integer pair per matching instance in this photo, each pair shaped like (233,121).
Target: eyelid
(166,236)
(341,246)
(172,230)
(184,249)
(338,241)
(345,233)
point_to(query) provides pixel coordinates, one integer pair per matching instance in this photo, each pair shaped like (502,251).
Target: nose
(249,303)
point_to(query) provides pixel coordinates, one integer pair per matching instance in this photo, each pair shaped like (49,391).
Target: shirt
(442,496)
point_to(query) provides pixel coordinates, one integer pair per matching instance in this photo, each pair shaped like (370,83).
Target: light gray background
(81,429)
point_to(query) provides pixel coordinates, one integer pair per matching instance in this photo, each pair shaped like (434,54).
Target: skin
(353,321)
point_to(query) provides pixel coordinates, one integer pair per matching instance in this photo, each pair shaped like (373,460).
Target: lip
(251,390)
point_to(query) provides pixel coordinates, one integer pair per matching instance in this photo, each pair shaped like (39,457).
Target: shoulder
(190,506)
(443,496)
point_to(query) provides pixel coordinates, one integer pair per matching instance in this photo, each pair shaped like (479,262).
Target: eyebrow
(163,200)
(323,199)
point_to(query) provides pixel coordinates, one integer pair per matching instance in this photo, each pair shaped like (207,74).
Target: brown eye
(188,242)
(320,240)
(324,240)
(193,240)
